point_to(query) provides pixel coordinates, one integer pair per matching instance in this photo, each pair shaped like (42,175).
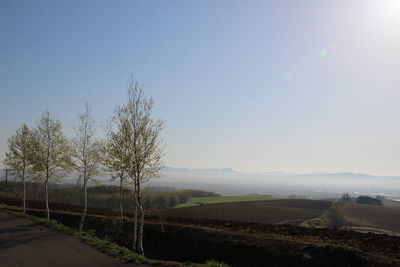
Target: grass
(199,201)
(109,248)
(319,222)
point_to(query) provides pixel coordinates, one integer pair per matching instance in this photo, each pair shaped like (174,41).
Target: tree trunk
(140,237)
(140,230)
(120,200)
(84,205)
(47,199)
(121,210)
(135,211)
(23,194)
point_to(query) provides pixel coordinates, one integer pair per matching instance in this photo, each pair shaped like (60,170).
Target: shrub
(336,217)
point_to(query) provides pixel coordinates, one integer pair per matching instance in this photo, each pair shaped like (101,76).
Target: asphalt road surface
(25,243)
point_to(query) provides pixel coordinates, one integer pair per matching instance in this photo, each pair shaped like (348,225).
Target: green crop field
(288,211)
(199,201)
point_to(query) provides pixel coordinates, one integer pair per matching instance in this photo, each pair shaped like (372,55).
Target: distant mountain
(172,170)
(335,174)
(318,174)
(350,174)
(186,170)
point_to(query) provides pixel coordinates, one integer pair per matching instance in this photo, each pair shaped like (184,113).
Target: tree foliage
(369,200)
(336,216)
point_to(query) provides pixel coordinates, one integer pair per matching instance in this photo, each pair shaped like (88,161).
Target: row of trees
(131,152)
(378,200)
(41,153)
(102,196)
(369,200)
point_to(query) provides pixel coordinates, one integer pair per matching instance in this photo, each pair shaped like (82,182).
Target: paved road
(25,243)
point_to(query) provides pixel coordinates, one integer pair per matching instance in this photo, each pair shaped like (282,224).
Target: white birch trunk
(84,205)
(23,194)
(135,224)
(121,210)
(46,192)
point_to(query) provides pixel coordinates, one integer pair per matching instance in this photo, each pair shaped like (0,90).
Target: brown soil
(283,211)
(384,217)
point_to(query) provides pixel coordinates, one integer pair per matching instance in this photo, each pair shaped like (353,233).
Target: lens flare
(323,53)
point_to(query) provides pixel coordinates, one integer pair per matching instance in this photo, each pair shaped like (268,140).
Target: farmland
(243,244)
(384,217)
(200,201)
(288,211)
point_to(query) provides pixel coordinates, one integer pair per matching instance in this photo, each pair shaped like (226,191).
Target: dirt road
(25,243)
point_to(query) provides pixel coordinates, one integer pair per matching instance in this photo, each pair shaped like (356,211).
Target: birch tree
(113,158)
(85,153)
(142,148)
(52,157)
(116,154)
(19,157)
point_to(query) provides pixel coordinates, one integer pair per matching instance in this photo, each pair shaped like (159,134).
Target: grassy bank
(110,248)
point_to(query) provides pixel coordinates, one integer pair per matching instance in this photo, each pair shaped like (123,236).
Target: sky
(296,86)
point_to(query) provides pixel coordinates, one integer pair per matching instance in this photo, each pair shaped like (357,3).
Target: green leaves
(19,157)
(52,153)
(85,147)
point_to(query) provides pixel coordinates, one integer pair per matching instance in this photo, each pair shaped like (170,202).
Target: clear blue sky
(293,86)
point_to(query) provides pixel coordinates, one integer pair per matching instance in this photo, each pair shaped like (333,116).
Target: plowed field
(287,211)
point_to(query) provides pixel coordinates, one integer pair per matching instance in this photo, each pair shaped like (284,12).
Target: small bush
(335,215)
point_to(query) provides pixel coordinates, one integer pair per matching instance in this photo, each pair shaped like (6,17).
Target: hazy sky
(292,86)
